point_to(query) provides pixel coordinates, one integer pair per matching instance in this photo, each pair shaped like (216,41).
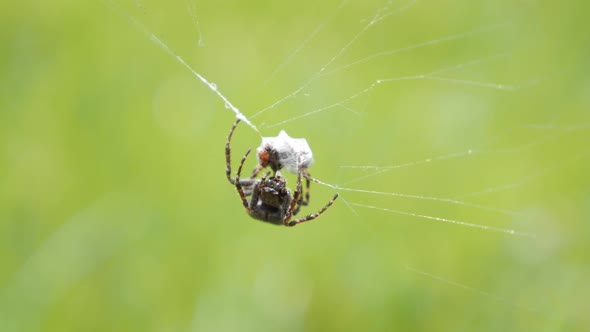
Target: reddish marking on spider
(264,157)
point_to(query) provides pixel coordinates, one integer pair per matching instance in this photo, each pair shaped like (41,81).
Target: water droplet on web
(213,86)
(227,105)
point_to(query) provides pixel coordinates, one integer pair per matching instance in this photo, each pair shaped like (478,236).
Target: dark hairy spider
(270,199)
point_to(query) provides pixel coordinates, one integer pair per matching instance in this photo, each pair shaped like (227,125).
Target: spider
(271,201)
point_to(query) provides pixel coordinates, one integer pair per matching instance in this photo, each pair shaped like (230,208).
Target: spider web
(413,127)
(457,183)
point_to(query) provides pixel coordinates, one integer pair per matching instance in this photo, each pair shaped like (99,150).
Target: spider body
(268,199)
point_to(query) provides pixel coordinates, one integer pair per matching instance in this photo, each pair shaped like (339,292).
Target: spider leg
(306,175)
(314,215)
(246,183)
(303,202)
(228,153)
(255,172)
(262,179)
(295,199)
(238,183)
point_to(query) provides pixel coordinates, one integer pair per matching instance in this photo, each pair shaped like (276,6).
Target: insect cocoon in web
(284,151)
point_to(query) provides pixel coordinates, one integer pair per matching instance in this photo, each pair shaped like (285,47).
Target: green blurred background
(115,214)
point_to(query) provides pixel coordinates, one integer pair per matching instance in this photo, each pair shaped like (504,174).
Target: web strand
(469,152)
(428,76)
(377,18)
(418,197)
(192,10)
(527,179)
(412,47)
(212,86)
(468,288)
(304,43)
(507,231)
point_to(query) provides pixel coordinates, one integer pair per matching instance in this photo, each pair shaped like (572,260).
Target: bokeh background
(115,214)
